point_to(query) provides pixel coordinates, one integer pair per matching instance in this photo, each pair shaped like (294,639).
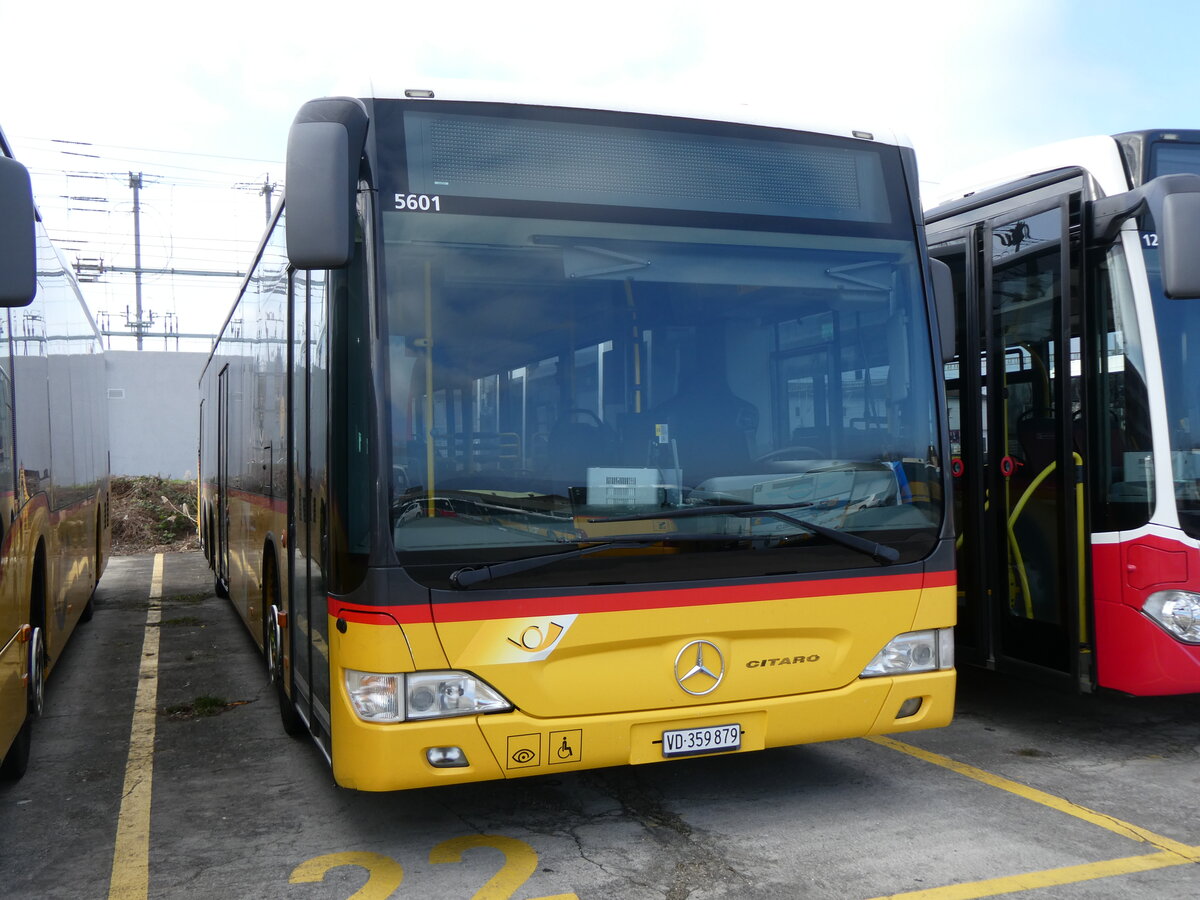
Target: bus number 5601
(419,202)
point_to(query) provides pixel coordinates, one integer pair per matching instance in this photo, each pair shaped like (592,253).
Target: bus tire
(37,673)
(16,760)
(289,716)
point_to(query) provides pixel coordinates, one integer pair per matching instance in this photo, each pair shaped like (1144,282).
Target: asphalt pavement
(160,770)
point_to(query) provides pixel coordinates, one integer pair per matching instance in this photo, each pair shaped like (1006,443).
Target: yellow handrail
(430,510)
(1080,535)
(1080,541)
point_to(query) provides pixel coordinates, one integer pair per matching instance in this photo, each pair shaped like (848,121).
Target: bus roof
(1099,155)
(745,112)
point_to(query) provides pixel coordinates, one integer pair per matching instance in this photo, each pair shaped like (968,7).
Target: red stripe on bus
(626,601)
(413,614)
(274,504)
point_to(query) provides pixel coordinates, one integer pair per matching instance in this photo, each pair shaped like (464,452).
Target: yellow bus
(546,436)
(54,478)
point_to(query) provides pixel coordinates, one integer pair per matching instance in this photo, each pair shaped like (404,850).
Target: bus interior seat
(1037,434)
(577,441)
(712,430)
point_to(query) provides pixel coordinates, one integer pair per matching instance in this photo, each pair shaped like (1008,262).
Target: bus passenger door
(14,606)
(306,507)
(222,549)
(299,635)
(1018,502)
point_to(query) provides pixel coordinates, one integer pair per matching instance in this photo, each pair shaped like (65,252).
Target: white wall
(154,412)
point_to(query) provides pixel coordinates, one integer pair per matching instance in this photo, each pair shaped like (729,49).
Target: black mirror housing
(18,248)
(1179,237)
(1173,202)
(943,299)
(325,147)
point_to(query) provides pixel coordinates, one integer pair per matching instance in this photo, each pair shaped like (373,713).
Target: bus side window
(1123,493)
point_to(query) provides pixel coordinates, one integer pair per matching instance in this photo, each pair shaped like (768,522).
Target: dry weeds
(153,515)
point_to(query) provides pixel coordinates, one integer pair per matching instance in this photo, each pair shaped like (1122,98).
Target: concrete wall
(154,412)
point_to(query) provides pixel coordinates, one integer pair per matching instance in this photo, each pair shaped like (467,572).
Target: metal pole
(135,182)
(267,190)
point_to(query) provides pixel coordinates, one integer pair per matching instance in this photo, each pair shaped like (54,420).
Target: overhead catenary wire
(189,268)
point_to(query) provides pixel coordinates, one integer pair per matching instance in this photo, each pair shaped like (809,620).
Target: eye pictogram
(524,755)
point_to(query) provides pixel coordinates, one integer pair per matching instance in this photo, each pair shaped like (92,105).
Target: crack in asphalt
(686,860)
(698,863)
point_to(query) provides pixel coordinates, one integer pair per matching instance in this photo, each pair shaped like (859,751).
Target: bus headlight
(914,651)
(1178,612)
(432,695)
(394,697)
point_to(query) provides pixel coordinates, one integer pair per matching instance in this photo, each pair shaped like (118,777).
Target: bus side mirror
(1173,202)
(943,301)
(325,146)
(1179,237)
(18,249)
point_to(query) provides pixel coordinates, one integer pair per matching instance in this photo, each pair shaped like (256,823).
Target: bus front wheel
(16,759)
(293,724)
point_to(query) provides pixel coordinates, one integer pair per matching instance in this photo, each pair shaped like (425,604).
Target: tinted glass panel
(1027,312)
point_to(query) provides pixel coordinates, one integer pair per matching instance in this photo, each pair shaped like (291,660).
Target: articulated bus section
(54,480)
(1077,478)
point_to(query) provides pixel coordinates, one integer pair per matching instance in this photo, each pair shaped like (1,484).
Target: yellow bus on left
(55,529)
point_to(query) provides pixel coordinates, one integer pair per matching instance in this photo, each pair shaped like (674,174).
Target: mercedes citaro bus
(546,436)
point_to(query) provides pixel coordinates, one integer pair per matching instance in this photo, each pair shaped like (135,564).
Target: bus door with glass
(1017,463)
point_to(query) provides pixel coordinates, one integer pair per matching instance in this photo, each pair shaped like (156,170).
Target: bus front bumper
(372,757)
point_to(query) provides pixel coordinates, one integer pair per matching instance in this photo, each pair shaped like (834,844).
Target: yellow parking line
(131,855)
(1171,852)
(1125,829)
(1047,878)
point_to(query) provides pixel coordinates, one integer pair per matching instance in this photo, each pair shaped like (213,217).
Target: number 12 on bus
(545,438)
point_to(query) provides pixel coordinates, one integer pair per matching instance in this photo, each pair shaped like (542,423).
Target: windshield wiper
(469,575)
(881,553)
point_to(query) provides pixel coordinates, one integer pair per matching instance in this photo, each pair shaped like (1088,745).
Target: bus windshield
(564,371)
(1178,326)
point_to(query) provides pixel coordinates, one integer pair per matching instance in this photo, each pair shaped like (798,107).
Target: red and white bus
(545,437)
(54,475)
(1077,272)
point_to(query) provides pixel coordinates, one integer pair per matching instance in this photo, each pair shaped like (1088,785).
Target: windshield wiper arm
(881,553)
(469,575)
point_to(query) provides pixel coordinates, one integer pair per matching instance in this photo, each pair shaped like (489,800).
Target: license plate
(711,739)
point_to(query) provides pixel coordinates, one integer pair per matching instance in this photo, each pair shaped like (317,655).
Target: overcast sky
(147,83)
